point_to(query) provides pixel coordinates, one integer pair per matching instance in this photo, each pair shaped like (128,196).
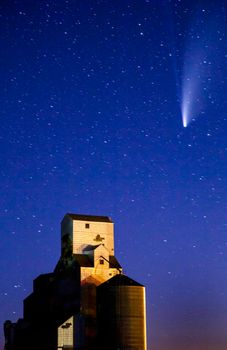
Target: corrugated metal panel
(121,317)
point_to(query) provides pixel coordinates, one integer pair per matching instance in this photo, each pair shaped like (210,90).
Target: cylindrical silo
(121,314)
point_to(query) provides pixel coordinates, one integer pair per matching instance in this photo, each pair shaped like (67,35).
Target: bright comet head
(184,120)
(184,111)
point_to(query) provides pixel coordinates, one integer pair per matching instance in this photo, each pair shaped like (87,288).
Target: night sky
(94,94)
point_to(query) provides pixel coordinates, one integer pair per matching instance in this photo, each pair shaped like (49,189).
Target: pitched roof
(120,280)
(84,260)
(95,218)
(91,247)
(114,263)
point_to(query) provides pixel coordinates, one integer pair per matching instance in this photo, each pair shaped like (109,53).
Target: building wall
(100,274)
(66,226)
(66,334)
(88,233)
(101,269)
(98,232)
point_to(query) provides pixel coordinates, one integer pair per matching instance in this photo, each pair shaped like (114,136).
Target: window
(87,225)
(101,261)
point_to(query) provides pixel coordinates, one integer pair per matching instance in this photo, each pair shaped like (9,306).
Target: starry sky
(91,122)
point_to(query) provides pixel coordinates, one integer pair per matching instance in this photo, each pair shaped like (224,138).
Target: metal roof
(114,262)
(85,217)
(120,280)
(85,260)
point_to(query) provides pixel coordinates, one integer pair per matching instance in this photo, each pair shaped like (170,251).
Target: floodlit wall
(92,233)
(66,334)
(88,233)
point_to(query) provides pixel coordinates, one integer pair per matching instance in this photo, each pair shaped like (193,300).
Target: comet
(196,68)
(184,120)
(188,100)
(191,89)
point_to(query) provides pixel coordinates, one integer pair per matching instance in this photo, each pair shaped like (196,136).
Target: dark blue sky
(91,123)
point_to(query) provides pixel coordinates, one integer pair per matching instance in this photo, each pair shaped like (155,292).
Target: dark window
(87,225)
(101,261)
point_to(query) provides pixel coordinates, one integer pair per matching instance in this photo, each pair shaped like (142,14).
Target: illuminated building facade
(86,302)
